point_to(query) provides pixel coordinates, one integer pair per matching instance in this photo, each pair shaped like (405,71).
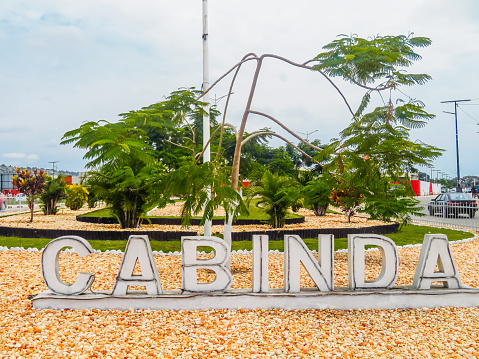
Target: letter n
(436,250)
(138,250)
(321,272)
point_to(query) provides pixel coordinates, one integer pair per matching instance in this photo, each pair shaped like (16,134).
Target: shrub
(53,192)
(277,194)
(31,183)
(317,194)
(76,196)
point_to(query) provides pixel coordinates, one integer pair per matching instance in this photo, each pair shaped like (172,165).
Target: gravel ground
(414,333)
(65,219)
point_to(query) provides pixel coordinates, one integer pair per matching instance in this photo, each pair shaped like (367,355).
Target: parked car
(3,201)
(453,204)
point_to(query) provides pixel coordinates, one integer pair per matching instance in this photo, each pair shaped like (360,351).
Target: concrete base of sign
(341,298)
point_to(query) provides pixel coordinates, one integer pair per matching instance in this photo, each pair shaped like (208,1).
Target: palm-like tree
(277,195)
(53,192)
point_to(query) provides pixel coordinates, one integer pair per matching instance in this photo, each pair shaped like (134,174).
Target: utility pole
(206,98)
(308,133)
(53,167)
(458,189)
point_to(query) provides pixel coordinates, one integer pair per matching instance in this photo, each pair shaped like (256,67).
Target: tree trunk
(227,237)
(349,213)
(239,139)
(31,204)
(320,210)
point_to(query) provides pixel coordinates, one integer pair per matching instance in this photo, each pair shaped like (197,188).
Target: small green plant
(317,194)
(53,192)
(277,195)
(76,196)
(348,198)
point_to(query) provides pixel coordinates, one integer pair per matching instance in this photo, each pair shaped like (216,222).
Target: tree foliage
(173,127)
(120,159)
(53,192)
(155,152)
(76,196)
(369,61)
(191,183)
(125,156)
(31,183)
(277,194)
(317,194)
(375,150)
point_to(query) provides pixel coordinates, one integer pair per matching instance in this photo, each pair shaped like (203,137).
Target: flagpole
(206,98)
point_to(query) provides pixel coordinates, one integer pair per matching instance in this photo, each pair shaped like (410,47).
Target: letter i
(260,264)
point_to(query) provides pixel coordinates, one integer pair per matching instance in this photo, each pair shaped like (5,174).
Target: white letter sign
(212,291)
(296,252)
(190,264)
(50,262)
(436,250)
(260,264)
(356,261)
(138,250)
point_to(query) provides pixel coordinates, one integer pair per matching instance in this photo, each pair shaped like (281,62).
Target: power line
(459,107)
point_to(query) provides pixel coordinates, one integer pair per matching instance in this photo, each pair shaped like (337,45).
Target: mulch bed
(65,223)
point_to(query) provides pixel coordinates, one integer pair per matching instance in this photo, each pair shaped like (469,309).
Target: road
(17,208)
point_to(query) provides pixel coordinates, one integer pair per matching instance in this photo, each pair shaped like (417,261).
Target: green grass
(410,234)
(254,213)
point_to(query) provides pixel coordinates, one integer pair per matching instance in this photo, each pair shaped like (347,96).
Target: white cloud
(17,155)
(14,155)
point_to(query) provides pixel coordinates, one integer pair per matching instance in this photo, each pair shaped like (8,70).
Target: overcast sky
(66,62)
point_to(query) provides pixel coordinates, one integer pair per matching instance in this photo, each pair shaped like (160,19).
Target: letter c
(50,267)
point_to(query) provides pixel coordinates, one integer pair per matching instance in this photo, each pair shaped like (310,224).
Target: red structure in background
(423,188)
(416,186)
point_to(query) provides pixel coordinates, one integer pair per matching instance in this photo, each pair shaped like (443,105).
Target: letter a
(436,250)
(138,250)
